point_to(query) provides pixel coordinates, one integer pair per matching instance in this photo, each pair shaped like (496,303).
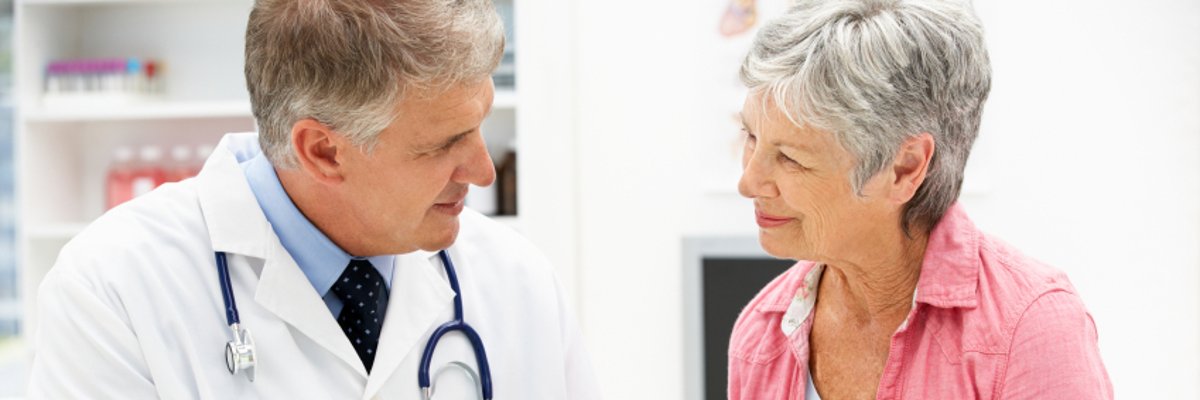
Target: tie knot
(359,282)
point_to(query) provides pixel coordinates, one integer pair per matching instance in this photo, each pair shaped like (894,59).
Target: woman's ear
(317,150)
(910,166)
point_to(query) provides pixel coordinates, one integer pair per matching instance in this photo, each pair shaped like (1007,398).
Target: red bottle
(118,185)
(149,172)
(180,166)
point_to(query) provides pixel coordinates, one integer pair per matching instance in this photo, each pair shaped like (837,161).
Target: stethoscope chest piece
(455,366)
(239,353)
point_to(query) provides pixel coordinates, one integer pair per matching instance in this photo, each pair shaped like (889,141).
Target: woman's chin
(778,247)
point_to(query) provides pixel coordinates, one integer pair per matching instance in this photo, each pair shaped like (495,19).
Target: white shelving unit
(62,154)
(143,112)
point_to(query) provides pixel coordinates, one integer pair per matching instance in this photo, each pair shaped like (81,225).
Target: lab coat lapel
(286,292)
(237,225)
(419,297)
(235,222)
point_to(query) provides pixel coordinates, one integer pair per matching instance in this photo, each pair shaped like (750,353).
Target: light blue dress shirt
(321,260)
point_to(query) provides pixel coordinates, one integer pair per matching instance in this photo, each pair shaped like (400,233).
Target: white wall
(1094,136)
(1089,159)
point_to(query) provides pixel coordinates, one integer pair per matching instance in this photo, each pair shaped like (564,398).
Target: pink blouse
(987,323)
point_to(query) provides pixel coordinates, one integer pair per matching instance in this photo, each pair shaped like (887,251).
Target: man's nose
(478,169)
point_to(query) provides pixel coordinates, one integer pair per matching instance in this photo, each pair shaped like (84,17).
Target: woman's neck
(878,284)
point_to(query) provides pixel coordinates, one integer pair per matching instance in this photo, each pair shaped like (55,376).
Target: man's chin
(442,239)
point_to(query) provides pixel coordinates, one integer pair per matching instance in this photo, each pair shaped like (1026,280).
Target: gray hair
(346,63)
(876,72)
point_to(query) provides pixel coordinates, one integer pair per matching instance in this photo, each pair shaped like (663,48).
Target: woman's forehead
(769,122)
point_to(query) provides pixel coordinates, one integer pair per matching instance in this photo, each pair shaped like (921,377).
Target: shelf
(148,111)
(505,99)
(107,2)
(56,231)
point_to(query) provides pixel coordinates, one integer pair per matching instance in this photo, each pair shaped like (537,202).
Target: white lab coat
(132,308)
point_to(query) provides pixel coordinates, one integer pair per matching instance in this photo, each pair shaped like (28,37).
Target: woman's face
(799,179)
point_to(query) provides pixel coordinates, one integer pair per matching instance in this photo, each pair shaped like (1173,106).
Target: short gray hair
(876,72)
(346,63)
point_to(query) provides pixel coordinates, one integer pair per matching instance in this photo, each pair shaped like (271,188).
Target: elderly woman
(859,121)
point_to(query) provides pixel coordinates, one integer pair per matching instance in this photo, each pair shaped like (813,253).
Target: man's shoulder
(481,230)
(505,250)
(152,225)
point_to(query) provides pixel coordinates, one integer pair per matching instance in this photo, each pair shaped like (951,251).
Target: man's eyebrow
(456,138)
(435,146)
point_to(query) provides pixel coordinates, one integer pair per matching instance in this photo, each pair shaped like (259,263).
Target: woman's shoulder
(1010,283)
(1011,277)
(985,279)
(1047,333)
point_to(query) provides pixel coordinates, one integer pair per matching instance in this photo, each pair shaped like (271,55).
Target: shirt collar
(949,274)
(950,271)
(321,260)
(780,294)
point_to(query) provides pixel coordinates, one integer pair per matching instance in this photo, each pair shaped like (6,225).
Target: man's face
(407,193)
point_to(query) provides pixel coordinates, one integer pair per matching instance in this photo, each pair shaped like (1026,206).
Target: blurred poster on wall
(734,25)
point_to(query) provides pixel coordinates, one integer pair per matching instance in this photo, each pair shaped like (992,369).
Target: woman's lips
(765,220)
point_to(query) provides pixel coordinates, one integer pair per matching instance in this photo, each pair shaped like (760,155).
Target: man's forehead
(429,119)
(447,104)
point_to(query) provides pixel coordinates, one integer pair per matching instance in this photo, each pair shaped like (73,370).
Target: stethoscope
(240,355)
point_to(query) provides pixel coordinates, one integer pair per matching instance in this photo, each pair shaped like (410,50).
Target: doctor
(369,115)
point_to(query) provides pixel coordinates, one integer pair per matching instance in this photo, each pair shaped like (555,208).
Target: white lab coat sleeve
(580,377)
(83,346)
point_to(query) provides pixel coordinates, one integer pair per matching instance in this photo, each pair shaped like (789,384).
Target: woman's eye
(789,161)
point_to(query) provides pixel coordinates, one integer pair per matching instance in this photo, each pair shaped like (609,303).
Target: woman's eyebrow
(741,118)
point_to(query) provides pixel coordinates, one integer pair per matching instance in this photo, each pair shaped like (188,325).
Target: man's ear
(317,150)
(910,166)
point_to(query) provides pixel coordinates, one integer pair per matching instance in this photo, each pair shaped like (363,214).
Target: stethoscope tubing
(458,324)
(231,311)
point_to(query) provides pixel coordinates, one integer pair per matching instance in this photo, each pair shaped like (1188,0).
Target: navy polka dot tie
(363,296)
